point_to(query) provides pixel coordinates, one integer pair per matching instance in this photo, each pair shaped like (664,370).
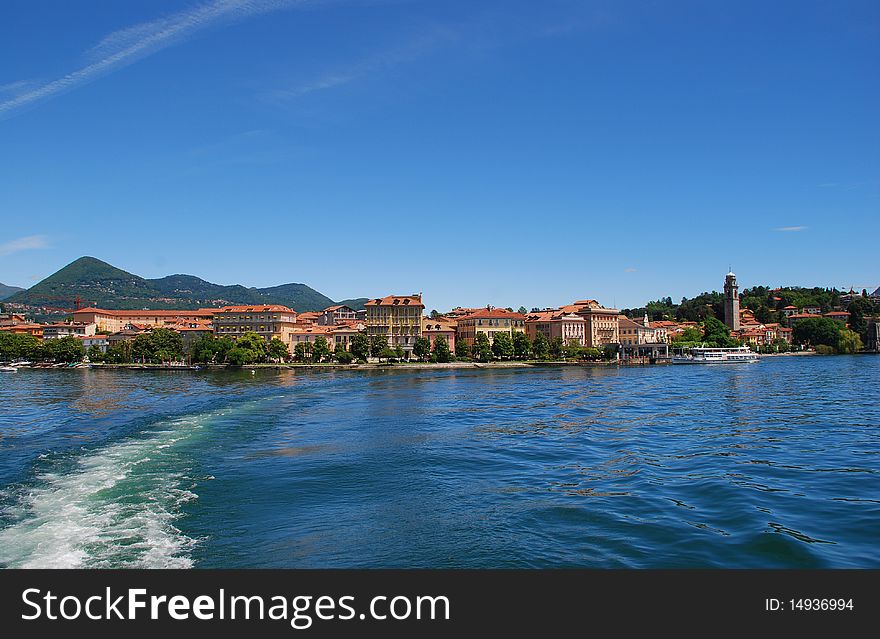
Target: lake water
(774,464)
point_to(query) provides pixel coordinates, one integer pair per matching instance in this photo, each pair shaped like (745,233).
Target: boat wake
(114,507)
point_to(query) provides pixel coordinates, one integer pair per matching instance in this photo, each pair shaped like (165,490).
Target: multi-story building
(398,318)
(114,320)
(489,321)
(339,314)
(554,323)
(268,321)
(11,319)
(64,329)
(634,333)
(344,334)
(100,341)
(24,329)
(602,324)
(309,333)
(432,328)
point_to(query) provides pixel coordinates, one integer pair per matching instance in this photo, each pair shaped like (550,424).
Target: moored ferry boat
(739,354)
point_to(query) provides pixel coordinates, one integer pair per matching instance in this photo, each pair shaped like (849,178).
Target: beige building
(553,323)
(269,321)
(339,314)
(65,329)
(633,333)
(398,318)
(602,324)
(113,321)
(489,321)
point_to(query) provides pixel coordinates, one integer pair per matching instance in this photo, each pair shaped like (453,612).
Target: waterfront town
(396,328)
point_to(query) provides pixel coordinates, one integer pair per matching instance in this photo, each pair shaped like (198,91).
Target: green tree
(398,352)
(689,335)
(360,346)
(341,355)
(320,349)
(849,342)
(119,353)
(277,350)
(95,353)
(540,346)
(222,346)
(590,352)
(203,350)
(556,347)
(462,350)
(19,346)
(239,356)
(254,343)
(378,343)
(435,314)
(301,352)
(522,346)
(859,310)
(522,310)
(422,347)
(441,350)
(573,350)
(502,345)
(817,331)
(67,349)
(717,334)
(482,349)
(386,353)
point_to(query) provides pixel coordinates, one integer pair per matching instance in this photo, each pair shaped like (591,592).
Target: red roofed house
(440,327)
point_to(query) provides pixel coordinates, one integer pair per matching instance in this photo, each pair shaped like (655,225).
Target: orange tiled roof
(493,313)
(396,300)
(267,308)
(206,312)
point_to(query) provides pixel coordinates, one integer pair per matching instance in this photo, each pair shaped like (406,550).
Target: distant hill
(6,291)
(100,284)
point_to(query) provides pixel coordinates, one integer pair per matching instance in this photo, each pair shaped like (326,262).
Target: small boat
(737,355)
(8,369)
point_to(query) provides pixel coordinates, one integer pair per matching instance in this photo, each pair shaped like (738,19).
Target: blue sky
(504,152)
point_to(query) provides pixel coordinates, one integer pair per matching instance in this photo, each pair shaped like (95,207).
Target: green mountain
(97,283)
(7,291)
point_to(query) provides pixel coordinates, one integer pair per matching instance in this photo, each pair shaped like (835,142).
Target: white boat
(737,355)
(8,369)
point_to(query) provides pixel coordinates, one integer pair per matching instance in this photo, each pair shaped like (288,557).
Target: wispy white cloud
(378,62)
(629,270)
(27,243)
(128,45)
(791,229)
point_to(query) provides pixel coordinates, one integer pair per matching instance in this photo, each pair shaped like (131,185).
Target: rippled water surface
(775,464)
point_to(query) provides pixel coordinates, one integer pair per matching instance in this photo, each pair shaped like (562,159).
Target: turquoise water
(775,464)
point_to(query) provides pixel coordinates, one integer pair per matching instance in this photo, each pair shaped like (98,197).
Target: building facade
(489,321)
(339,314)
(113,320)
(440,327)
(553,324)
(397,318)
(602,324)
(63,329)
(268,321)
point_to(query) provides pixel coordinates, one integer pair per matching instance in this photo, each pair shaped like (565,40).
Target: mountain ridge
(8,291)
(97,283)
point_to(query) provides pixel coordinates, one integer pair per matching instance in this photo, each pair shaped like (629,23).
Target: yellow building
(489,321)
(398,318)
(271,320)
